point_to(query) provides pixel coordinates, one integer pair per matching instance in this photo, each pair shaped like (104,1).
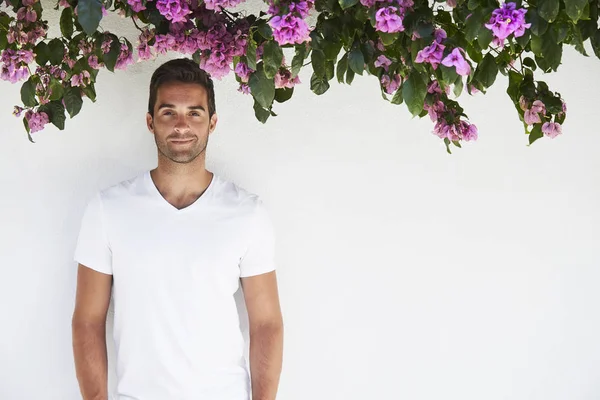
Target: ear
(213,123)
(149,122)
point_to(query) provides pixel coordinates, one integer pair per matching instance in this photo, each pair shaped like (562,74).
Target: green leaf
(331,50)
(251,54)
(56,113)
(347,3)
(595,40)
(4,40)
(265,31)
(548,9)
(536,133)
(447,143)
(272,58)
(283,94)
(356,61)
(318,85)
(66,22)
(349,76)
(5,20)
(546,47)
(574,8)
(458,86)
(42,53)
(261,114)
(414,91)
(388,38)
(318,61)
(90,92)
(485,37)
(262,88)
(56,51)
(449,74)
(577,40)
(473,25)
(329,70)
(487,71)
(528,62)
(57,89)
(110,58)
(28,93)
(89,14)
(298,60)
(397,99)
(524,39)
(538,24)
(73,101)
(514,82)
(342,67)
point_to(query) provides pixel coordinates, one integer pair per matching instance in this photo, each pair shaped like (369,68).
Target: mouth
(182,141)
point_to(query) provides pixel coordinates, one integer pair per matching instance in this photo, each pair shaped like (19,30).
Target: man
(172,244)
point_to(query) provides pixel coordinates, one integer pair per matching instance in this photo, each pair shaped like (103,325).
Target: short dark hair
(181,70)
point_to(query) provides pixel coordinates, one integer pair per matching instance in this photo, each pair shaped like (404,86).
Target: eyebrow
(166,105)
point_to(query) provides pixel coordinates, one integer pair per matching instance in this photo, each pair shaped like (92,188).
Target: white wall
(405,273)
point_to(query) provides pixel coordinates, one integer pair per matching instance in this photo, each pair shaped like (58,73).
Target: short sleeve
(260,254)
(93,248)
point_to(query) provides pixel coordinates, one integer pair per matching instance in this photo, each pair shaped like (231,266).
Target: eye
(168,113)
(195,114)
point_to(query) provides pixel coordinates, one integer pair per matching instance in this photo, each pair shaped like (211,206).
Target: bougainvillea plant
(424,53)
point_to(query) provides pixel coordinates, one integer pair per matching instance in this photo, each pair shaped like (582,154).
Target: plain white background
(405,272)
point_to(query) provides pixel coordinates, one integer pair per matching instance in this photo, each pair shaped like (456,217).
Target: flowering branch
(422,52)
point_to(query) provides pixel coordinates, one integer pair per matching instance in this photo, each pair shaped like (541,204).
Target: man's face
(181,124)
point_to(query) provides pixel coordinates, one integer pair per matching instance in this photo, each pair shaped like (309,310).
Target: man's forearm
(91,365)
(266,357)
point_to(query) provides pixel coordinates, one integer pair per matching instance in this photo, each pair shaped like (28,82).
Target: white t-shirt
(176,326)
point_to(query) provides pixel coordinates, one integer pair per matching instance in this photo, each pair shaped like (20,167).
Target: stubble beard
(182,157)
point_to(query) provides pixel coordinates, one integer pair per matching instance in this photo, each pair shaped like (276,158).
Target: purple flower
(36,120)
(93,62)
(432,54)
(13,64)
(440,35)
(388,20)
(125,57)
(530,117)
(17,111)
(456,59)
(468,131)
(288,29)
(506,20)
(244,88)
(136,5)
(451,3)
(26,14)
(283,79)
(391,85)
(551,129)
(173,10)
(302,8)
(105,46)
(82,79)
(435,110)
(383,61)
(368,3)
(538,107)
(219,4)
(242,70)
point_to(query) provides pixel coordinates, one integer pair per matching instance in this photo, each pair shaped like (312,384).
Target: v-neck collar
(149,182)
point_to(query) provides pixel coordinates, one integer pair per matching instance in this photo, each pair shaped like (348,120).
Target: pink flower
(440,35)
(456,59)
(244,88)
(36,120)
(242,70)
(383,61)
(288,29)
(391,85)
(387,20)
(173,10)
(538,107)
(125,57)
(283,79)
(13,64)
(451,3)
(93,62)
(530,117)
(136,5)
(551,129)
(82,79)
(468,131)
(432,54)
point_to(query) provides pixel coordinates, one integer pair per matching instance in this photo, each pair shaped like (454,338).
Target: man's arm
(266,334)
(89,332)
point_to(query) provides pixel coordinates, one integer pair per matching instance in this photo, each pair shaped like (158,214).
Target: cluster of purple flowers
(390,14)
(218,45)
(288,22)
(535,113)
(434,55)
(507,20)
(35,120)
(13,64)
(456,129)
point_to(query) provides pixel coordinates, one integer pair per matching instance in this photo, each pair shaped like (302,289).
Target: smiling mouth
(181,141)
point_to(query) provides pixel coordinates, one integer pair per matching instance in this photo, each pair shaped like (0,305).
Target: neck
(181,183)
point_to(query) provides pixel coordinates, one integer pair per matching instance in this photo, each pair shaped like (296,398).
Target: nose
(182,124)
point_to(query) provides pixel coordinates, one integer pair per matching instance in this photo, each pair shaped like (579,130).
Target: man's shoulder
(235,195)
(124,188)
